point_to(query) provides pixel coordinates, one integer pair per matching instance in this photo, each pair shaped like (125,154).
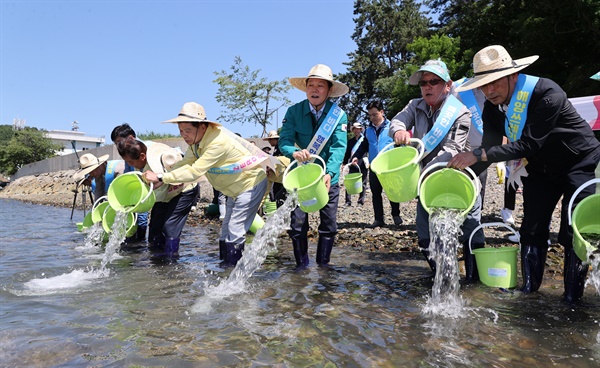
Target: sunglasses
(432,82)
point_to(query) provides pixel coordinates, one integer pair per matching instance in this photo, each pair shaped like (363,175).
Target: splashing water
(593,255)
(253,256)
(78,278)
(444,230)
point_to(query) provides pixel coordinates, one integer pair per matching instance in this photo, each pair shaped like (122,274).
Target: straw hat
(272,135)
(162,157)
(492,63)
(87,164)
(191,112)
(321,71)
(436,67)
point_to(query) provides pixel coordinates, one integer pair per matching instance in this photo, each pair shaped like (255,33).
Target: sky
(102,63)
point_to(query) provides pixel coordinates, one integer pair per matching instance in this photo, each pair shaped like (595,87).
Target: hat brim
(416,76)
(266,139)
(337,89)
(154,156)
(482,80)
(184,119)
(81,173)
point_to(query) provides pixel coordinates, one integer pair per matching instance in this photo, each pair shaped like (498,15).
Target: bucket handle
(439,164)
(139,173)
(582,187)
(98,202)
(356,164)
(287,169)
(489,224)
(420,149)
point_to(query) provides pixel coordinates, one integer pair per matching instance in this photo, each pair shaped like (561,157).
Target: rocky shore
(58,189)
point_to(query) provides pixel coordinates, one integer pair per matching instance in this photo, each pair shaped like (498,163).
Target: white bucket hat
(191,112)
(321,71)
(87,164)
(492,63)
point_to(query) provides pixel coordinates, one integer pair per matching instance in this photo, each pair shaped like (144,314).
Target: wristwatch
(159,176)
(477,152)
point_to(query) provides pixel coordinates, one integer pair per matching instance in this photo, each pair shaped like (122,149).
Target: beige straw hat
(272,135)
(492,63)
(321,71)
(87,164)
(162,157)
(191,112)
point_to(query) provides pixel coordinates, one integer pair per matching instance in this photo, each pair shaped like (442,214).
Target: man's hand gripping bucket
(497,267)
(129,193)
(398,170)
(307,180)
(353,182)
(585,219)
(448,188)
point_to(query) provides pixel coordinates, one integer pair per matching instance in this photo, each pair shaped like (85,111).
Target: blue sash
(448,114)
(517,109)
(356,145)
(469,100)
(325,130)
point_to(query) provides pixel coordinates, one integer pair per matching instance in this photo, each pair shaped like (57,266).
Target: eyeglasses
(432,82)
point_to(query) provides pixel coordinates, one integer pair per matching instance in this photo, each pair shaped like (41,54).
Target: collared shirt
(316,113)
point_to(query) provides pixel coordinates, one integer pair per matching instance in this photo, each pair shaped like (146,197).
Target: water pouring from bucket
(307,180)
(448,188)
(129,193)
(398,170)
(497,267)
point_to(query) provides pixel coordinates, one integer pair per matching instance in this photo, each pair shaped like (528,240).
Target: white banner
(589,109)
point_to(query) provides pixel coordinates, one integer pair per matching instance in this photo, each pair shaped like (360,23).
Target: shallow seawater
(60,309)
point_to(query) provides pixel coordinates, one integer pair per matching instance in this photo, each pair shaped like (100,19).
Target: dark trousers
(510,196)
(168,218)
(541,194)
(376,191)
(328,215)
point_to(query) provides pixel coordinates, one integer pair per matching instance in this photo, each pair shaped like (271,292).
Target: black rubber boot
(222,250)
(575,272)
(157,243)
(324,249)
(233,253)
(471,272)
(172,247)
(424,245)
(301,252)
(140,234)
(533,262)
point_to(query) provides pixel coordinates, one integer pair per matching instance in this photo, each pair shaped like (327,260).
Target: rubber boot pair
(533,262)
(233,253)
(324,247)
(575,272)
(471,273)
(301,252)
(424,245)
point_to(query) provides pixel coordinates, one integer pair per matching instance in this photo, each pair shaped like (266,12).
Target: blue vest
(109,175)
(377,143)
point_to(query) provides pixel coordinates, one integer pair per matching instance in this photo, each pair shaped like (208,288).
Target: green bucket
(129,193)
(398,170)
(307,180)
(87,222)
(212,209)
(585,219)
(269,207)
(108,219)
(98,209)
(497,267)
(257,224)
(353,182)
(448,188)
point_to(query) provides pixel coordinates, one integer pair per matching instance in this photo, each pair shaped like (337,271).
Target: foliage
(151,135)
(383,31)
(248,98)
(6,133)
(26,146)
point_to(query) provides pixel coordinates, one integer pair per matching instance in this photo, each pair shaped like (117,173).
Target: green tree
(248,98)
(26,146)
(564,33)
(6,133)
(384,28)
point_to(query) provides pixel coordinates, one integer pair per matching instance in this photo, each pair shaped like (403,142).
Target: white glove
(366,161)
(516,172)
(501,172)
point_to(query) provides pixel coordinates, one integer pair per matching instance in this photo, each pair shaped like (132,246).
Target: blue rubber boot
(301,252)
(172,247)
(324,247)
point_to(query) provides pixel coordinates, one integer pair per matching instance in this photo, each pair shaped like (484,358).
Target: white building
(74,141)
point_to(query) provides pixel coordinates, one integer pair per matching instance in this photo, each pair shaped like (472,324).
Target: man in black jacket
(559,150)
(359,165)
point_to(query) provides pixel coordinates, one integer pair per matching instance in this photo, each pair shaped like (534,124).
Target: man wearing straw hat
(559,149)
(443,123)
(98,172)
(232,166)
(316,126)
(173,201)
